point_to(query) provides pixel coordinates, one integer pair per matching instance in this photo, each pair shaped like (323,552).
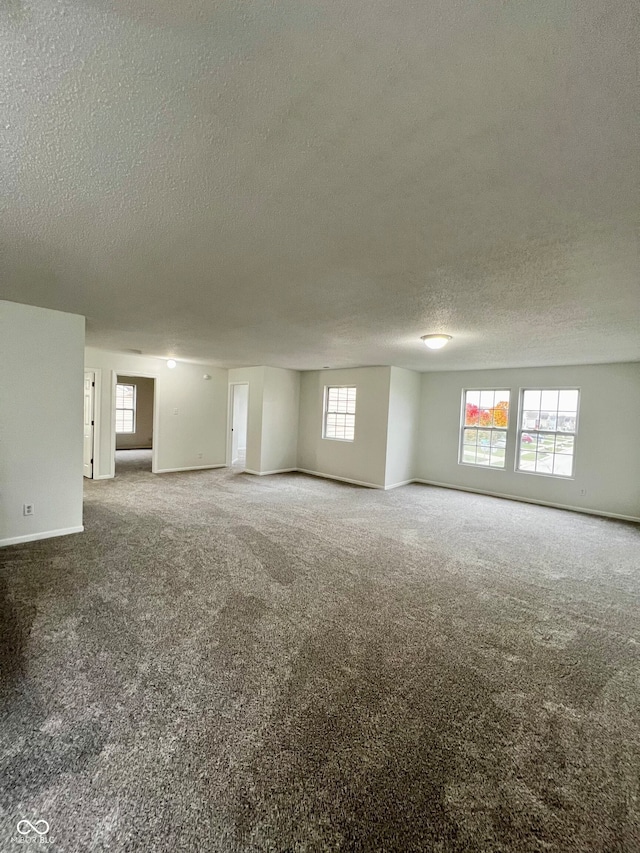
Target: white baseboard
(190,468)
(265,473)
(45,534)
(397,485)
(568,507)
(101,477)
(341,479)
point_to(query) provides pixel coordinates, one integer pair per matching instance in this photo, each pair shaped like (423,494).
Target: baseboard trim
(45,534)
(341,479)
(190,468)
(568,507)
(101,477)
(265,473)
(397,485)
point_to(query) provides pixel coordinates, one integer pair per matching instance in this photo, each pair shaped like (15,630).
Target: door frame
(93,423)
(97,402)
(232,386)
(156,411)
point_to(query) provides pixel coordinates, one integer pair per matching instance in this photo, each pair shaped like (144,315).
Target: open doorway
(239,418)
(134,423)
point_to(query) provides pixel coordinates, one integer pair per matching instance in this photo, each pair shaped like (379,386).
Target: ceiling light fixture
(171,363)
(435,341)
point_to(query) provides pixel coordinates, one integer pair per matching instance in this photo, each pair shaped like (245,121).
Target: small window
(483,432)
(340,413)
(548,428)
(125,408)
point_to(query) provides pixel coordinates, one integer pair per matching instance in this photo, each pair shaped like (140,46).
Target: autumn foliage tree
(497,416)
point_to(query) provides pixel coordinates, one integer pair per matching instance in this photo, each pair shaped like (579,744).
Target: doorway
(134,423)
(89,423)
(239,419)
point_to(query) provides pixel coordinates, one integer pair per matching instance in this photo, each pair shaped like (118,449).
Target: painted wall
(254,377)
(240,399)
(607,461)
(191,412)
(143,435)
(280,413)
(403,426)
(362,460)
(41,399)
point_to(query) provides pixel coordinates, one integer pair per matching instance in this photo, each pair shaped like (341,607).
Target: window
(547,435)
(125,408)
(485,418)
(340,413)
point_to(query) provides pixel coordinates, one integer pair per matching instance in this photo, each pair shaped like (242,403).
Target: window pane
(486,399)
(544,463)
(472,414)
(469,455)
(497,457)
(566,422)
(563,465)
(568,401)
(470,436)
(498,438)
(528,441)
(530,419)
(527,461)
(564,444)
(549,400)
(473,397)
(531,400)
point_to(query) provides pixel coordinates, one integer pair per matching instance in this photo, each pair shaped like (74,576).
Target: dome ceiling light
(435,341)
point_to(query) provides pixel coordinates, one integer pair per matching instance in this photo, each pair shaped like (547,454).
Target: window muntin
(485,419)
(125,408)
(547,431)
(340,412)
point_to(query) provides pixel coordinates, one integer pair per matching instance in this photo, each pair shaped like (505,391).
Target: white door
(89,388)
(239,416)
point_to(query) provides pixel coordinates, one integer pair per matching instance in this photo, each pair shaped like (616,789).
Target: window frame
(505,430)
(326,413)
(556,432)
(132,409)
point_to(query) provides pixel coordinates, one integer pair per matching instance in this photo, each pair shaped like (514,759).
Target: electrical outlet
(175,411)
(583,492)
(27,509)
(199,455)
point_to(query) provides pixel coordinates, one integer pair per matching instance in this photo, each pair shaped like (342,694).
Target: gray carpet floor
(229,663)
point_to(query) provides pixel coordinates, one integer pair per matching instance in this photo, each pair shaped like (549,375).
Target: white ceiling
(304,184)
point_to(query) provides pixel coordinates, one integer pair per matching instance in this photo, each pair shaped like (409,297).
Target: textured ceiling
(308,184)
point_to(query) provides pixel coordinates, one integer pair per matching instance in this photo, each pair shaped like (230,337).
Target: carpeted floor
(229,663)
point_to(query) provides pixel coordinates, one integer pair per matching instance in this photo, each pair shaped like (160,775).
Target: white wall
(403,426)
(143,435)
(362,460)
(607,460)
(254,377)
(280,412)
(191,412)
(41,399)
(272,430)
(240,403)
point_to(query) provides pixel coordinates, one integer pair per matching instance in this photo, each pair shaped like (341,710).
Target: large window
(125,408)
(547,434)
(485,418)
(340,412)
